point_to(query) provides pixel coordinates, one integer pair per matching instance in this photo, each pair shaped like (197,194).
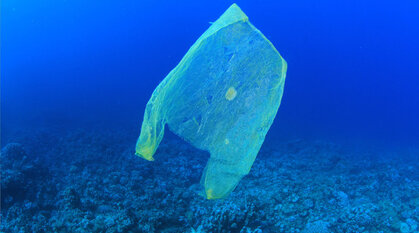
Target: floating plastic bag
(222,97)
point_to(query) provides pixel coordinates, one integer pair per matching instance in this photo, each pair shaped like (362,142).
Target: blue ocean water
(76,76)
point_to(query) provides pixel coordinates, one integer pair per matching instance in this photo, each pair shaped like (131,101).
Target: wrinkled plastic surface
(222,97)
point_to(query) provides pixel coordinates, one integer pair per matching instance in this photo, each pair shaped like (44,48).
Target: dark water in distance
(352,65)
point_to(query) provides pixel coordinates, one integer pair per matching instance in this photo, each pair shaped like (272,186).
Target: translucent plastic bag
(222,97)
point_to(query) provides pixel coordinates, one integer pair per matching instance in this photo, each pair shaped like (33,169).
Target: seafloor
(90,181)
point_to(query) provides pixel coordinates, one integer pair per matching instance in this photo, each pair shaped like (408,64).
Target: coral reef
(90,181)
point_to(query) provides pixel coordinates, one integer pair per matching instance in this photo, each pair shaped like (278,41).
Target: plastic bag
(222,97)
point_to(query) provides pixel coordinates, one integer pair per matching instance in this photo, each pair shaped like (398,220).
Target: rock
(404,228)
(308,204)
(316,227)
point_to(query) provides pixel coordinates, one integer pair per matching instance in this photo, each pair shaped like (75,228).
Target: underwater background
(341,156)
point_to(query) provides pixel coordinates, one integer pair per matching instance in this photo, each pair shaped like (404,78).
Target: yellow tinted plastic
(222,97)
